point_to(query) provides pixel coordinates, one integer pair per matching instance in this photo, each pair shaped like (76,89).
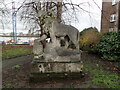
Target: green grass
(100,76)
(108,79)
(9,84)
(16,67)
(15,52)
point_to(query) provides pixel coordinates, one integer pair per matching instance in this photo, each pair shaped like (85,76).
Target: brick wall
(107,10)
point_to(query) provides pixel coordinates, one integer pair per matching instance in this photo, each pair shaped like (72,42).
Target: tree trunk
(59,11)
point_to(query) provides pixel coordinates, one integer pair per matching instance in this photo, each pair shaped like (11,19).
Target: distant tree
(21,34)
(3,13)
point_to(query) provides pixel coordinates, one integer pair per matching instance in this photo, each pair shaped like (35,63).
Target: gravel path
(16,61)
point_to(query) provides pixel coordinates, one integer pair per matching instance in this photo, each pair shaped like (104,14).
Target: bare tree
(3,9)
(3,13)
(35,12)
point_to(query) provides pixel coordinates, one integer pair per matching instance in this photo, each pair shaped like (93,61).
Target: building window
(111,30)
(113,2)
(113,18)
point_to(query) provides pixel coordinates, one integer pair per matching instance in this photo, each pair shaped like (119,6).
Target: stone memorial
(56,53)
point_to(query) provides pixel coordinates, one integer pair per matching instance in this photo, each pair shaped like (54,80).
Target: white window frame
(113,18)
(114,2)
(111,29)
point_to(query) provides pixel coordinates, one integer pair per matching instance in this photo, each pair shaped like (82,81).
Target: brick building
(110,19)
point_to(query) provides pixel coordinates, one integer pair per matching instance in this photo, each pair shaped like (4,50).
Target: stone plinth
(66,64)
(42,77)
(64,60)
(59,58)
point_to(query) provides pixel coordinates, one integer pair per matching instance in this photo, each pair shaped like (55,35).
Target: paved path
(16,61)
(6,64)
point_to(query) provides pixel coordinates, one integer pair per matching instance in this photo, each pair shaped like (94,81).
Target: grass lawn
(103,73)
(11,51)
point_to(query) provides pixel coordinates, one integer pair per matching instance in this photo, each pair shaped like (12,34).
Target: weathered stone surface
(57,67)
(37,47)
(63,30)
(55,57)
(60,55)
(43,77)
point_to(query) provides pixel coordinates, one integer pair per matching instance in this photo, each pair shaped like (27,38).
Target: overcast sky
(85,20)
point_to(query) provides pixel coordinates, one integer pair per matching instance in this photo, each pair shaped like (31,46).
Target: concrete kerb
(0,66)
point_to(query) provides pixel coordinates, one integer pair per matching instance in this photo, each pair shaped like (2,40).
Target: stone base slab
(42,77)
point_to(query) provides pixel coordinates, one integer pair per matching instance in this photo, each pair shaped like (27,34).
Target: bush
(109,46)
(89,38)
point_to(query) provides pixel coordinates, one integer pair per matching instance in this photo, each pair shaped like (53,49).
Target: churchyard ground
(98,73)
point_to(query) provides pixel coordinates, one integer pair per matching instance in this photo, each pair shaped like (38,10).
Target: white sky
(85,20)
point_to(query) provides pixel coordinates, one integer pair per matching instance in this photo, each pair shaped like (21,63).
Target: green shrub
(109,46)
(89,38)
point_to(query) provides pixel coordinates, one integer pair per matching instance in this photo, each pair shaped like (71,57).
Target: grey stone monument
(60,56)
